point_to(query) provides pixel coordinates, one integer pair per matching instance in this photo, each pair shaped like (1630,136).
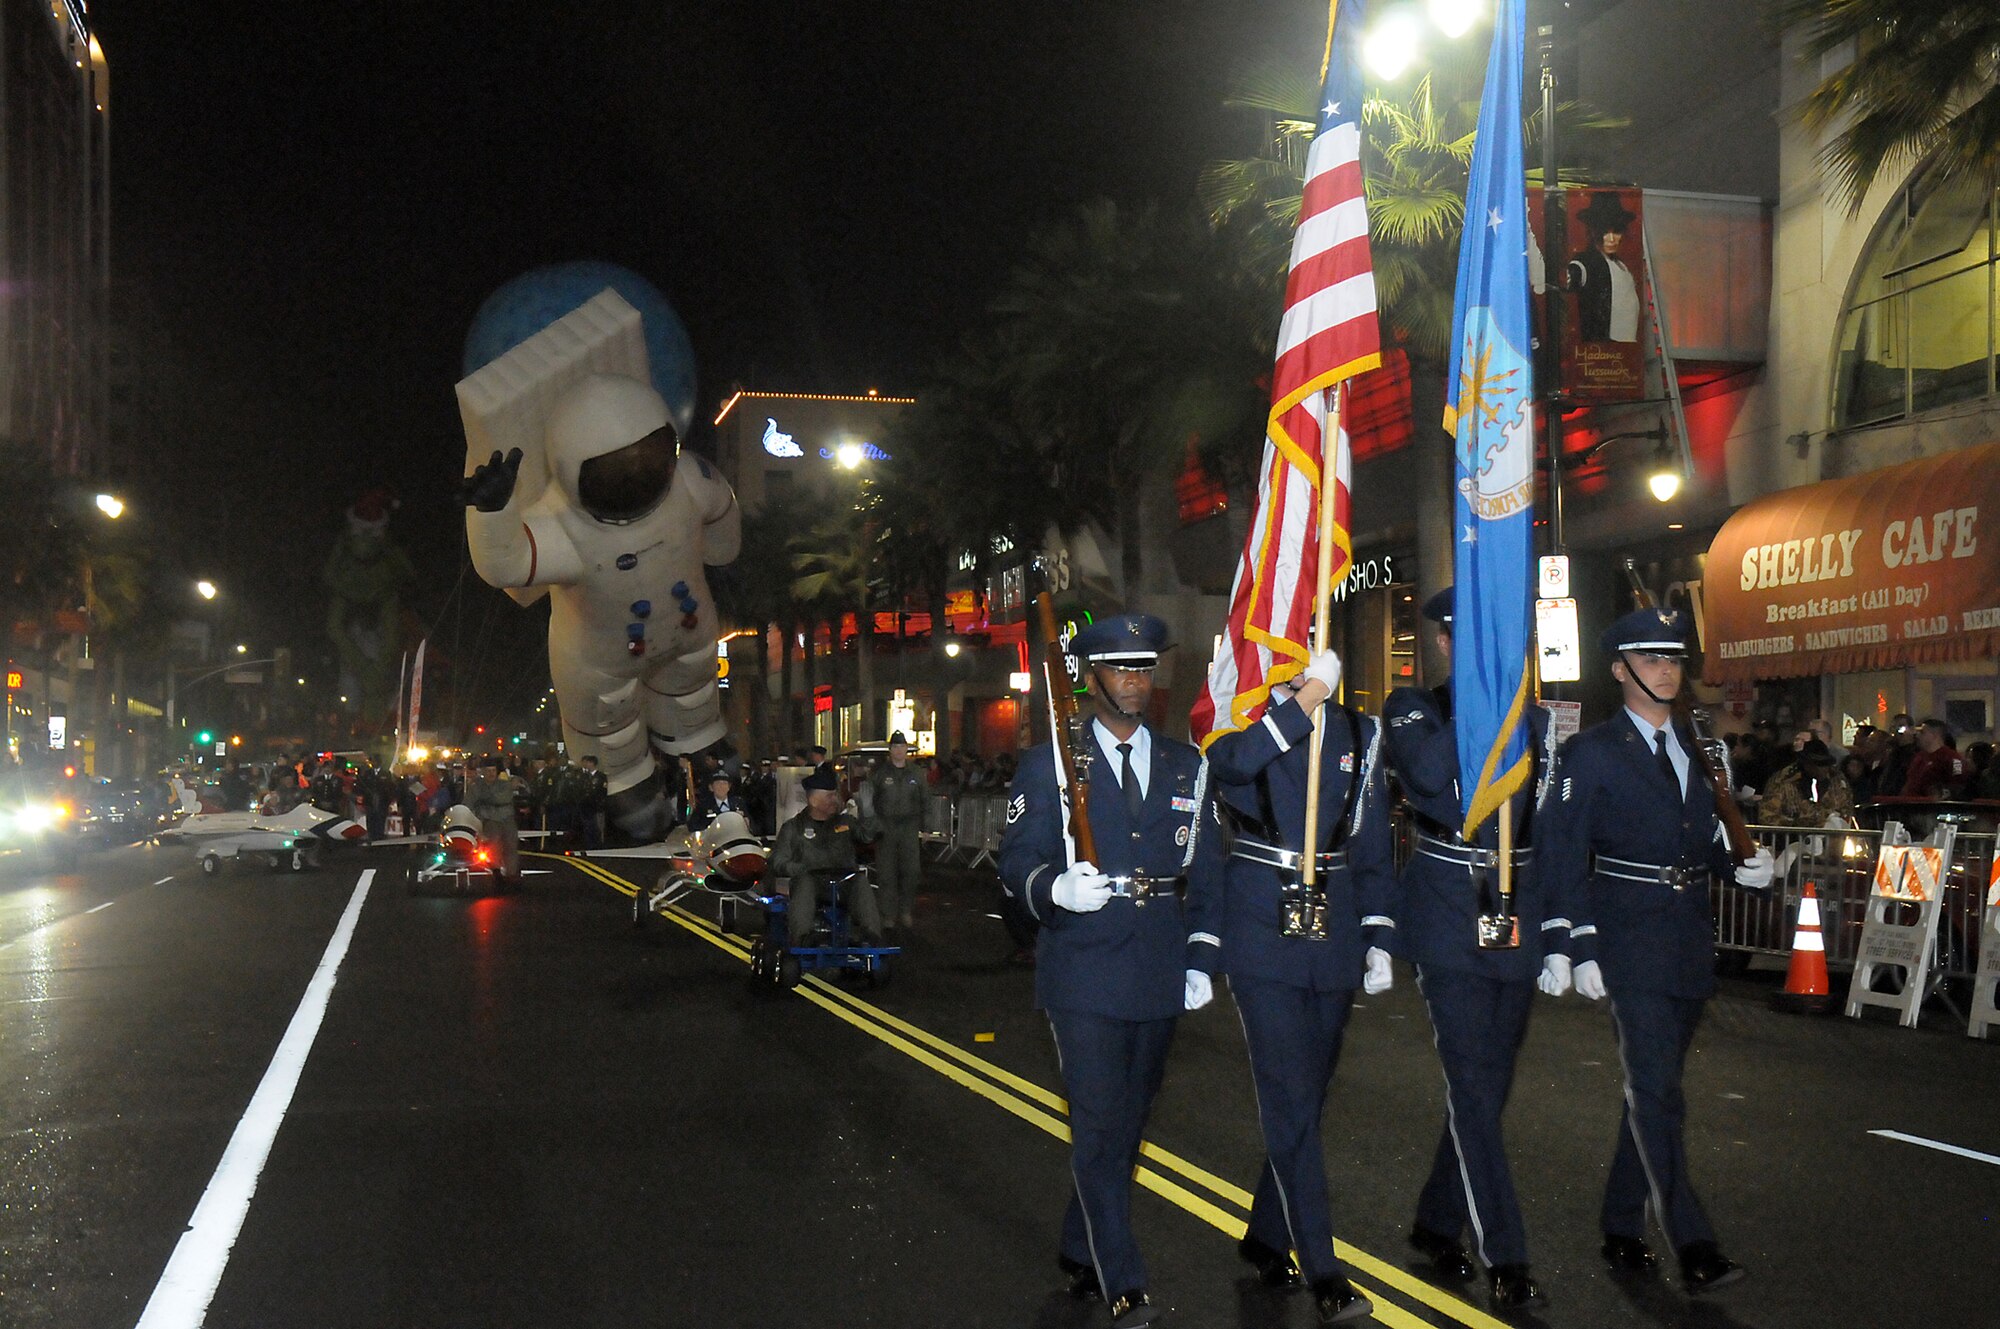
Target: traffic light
(479,729)
(205,737)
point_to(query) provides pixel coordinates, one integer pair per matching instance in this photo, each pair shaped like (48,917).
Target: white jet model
(298,839)
(578,488)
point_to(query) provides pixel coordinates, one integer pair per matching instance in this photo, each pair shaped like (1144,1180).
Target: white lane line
(106,905)
(180,1301)
(1940,1145)
(163,881)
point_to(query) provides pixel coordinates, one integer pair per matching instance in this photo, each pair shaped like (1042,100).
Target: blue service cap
(1654,631)
(1438,608)
(1132,640)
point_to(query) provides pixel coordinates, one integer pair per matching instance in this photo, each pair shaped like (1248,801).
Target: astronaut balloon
(577,488)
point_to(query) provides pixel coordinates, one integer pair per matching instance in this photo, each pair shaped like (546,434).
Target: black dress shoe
(1628,1255)
(1338,1302)
(1513,1289)
(1275,1268)
(1130,1309)
(1083,1284)
(1705,1268)
(1447,1257)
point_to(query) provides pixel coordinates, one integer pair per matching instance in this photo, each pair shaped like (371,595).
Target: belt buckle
(1482,858)
(1302,912)
(1676,877)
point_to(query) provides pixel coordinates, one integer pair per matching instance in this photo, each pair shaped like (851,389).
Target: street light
(111,506)
(241,649)
(849,455)
(205,589)
(1455,18)
(1390,47)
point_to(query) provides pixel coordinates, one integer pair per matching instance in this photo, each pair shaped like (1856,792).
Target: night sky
(311,200)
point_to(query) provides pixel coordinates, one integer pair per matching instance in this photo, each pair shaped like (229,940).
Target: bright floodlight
(951,649)
(1391,46)
(241,649)
(1456,17)
(205,589)
(1665,483)
(111,506)
(848,455)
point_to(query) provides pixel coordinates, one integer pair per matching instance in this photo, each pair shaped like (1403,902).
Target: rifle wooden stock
(1742,844)
(1062,728)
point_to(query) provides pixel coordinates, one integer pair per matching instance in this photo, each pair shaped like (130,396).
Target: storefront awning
(1896,567)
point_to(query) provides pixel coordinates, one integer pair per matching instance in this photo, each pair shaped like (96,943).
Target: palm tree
(835,566)
(1922,84)
(1122,333)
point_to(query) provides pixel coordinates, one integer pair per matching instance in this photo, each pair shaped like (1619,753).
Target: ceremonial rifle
(1710,754)
(1072,765)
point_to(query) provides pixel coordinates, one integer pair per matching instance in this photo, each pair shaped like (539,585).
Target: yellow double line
(1039,1107)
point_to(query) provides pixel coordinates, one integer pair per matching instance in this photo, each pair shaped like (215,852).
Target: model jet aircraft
(298,839)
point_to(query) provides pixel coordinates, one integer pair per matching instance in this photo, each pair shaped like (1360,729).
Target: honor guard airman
(1478,996)
(1126,943)
(1295,954)
(1627,846)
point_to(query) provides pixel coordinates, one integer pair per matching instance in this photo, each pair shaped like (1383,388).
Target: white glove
(1324,666)
(1379,978)
(1756,874)
(1589,981)
(1555,975)
(1081,889)
(1200,990)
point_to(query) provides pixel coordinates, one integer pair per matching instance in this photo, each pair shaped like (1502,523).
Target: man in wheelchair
(816,847)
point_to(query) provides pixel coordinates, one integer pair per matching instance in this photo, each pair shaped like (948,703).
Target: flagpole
(1322,612)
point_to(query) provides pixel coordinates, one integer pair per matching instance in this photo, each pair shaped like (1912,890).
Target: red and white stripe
(1329,333)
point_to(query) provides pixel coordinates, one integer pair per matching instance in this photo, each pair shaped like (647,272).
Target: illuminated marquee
(868,451)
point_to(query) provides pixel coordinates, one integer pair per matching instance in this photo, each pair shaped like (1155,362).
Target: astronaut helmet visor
(627,484)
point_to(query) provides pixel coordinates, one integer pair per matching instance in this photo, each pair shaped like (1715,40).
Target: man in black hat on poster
(1126,943)
(1627,846)
(1478,997)
(1607,294)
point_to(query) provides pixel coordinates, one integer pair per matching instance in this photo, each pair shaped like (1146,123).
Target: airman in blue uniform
(1125,944)
(1627,845)
(1294,992)
(1478,998)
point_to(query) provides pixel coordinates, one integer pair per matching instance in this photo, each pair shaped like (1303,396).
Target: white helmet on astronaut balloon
(612,447)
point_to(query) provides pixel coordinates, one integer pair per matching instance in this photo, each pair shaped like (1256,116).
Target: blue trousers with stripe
(1111,1071)
(1478,1024)
(1654,1032)
(1294,1036)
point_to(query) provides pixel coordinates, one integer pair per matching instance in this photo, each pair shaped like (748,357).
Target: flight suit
(1478,999)
(1113,981)
(1294,994)
(898,795)
(811,853)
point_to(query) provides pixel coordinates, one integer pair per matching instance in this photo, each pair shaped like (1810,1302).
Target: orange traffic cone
(1806,990)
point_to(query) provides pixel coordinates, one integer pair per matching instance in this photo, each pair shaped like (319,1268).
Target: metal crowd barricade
(976,812)
(938,820)
(1841,867)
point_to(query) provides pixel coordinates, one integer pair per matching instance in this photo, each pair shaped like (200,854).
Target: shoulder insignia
(809,833)
(1569,787)
(1017,808)
(1407,717)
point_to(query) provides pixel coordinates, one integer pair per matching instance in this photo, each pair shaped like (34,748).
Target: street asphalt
(524,1111)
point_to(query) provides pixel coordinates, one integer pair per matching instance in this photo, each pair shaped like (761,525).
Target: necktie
(1666,762)
(1128,779)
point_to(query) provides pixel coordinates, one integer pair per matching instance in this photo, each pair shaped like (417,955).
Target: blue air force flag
(1490,414)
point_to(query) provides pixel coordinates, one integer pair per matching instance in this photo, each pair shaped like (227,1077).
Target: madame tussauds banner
(1898,566)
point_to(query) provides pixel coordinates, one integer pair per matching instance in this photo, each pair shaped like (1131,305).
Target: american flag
(1328,335)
